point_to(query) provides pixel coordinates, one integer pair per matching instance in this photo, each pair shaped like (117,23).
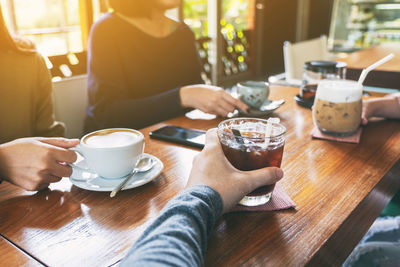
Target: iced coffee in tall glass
(337,107)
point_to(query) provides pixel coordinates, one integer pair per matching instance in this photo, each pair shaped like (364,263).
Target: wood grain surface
(339,190)
(386,75)
(364,58)
(12,256)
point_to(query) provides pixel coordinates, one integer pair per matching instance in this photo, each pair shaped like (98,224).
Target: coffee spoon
(145,164)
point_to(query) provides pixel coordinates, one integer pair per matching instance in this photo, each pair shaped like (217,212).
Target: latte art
(111,139)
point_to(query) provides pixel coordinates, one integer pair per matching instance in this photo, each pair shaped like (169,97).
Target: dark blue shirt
(134,78)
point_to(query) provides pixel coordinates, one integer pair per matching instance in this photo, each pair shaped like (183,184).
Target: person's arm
(45,123)
(207,98)
(385,107)
(178,237)
(210,99)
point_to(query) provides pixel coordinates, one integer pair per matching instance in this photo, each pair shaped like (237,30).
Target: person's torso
(152,65)
(18,76)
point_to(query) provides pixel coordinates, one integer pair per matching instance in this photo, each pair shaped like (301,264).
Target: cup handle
(77,149)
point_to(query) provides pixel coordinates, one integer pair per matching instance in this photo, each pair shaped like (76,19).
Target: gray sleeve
(178,237)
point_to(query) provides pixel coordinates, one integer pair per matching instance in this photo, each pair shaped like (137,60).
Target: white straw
(268,129)
(365,71)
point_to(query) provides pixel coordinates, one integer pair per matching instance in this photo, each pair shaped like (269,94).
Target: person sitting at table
(144,68)
(26,109)
(381,245)
(178,236)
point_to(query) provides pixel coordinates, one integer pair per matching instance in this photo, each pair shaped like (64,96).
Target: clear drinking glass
(245,146)
(337,107)
(315,71)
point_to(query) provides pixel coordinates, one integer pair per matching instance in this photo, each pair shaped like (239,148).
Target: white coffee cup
(111,153)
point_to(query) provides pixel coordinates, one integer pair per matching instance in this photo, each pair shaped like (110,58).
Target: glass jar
(315,71)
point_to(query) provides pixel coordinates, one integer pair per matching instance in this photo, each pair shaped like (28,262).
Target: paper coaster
(354,138)
(279,201)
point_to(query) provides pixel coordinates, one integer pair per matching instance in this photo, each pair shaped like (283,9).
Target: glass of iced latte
(337,107)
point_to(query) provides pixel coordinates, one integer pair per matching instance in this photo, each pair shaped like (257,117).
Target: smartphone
(183,136)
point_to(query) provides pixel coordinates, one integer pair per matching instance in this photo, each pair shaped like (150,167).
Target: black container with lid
(329,69)
(314,71)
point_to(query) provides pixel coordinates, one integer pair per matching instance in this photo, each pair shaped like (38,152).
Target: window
(99,7)
(53,25)
(224,31)
(195,15)
(236,26)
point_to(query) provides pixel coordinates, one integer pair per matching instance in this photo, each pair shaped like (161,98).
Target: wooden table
(12,256)
(386,75)
(339,190)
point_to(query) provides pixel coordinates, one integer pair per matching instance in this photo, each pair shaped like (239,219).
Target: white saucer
(92,181)
(266,108)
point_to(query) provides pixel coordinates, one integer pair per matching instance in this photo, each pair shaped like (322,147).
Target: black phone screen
(184,136)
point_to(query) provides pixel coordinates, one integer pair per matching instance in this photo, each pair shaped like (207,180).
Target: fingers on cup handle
(242,105)
(61,170)
(64,155)
(236,102)
(61,142)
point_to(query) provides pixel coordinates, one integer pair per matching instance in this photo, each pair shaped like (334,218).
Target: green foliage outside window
(235,13)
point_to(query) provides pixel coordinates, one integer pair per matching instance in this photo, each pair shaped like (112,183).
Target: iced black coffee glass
(247,147)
